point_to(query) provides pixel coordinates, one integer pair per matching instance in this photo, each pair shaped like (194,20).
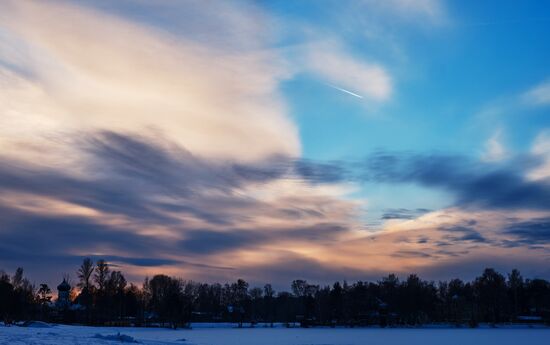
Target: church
(63,295)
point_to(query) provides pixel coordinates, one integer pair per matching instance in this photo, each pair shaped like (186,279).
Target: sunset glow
(272,140)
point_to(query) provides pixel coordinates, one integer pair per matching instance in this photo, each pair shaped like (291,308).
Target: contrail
(344,90)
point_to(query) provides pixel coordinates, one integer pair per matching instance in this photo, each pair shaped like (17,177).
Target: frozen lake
(65,335)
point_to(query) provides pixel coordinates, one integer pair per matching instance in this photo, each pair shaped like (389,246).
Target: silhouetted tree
(7,302)
(175,302)
(269,310)
(114,293)
(515,292)
(336,302)
(490,291)
(101,274)
(168,301)
(18,278)
(256,302)
(44,294)
(538,292)
(305,293)
(44,297)
(23,296)
(84,273)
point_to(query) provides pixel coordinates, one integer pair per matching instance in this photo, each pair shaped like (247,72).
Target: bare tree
(101,274)
(17,278)
(84,273)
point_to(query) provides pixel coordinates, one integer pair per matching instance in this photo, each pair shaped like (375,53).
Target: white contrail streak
(344,90)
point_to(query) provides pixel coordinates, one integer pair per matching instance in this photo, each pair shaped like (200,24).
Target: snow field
(81,335)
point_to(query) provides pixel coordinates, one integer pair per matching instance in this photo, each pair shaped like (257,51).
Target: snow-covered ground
(80,335)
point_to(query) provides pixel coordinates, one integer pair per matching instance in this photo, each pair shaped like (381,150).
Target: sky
(275,140)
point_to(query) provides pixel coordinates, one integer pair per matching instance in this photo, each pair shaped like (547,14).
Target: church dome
(64,286)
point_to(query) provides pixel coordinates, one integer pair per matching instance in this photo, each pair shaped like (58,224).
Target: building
(63,295)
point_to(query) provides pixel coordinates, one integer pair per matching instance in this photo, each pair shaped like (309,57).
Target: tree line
(102,296)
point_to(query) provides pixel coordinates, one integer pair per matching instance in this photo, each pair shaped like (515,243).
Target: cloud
(27,233)
(211,219)
(465,233)
(538,95)
(472,184)
(321,172)
(147,138)
(345,91)
(535,231)
(494,148)
(403,213)
(330,62)
(143,194)
(467,268)
(541,149)
(514,105)
(463,239)
(215,101)
(411,254)
(430,10)
(287,266)
(209,242)
(153,180)
(167,135)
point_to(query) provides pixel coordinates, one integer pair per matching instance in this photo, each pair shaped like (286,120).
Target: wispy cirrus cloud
(541,149)
(143,194)
(473,184)
(515,104)
(204,218)
(150,139)
(417,10)
(539,95)
(494,148)
(342,70)
(403,213)
(164,144)
(210,98)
